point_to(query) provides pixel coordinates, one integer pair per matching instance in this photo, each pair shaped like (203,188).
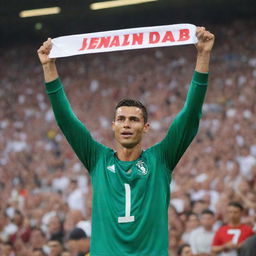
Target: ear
(113,125)
(146,127)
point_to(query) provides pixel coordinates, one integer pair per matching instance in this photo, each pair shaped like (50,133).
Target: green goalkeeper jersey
(130,198)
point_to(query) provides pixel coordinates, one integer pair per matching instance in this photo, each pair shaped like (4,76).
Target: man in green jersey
(131,191)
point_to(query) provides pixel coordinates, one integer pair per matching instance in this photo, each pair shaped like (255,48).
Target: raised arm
(185,125)
(204,48)
(48,64)
(85,147)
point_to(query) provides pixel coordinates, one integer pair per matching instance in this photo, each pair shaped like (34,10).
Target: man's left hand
(205,40)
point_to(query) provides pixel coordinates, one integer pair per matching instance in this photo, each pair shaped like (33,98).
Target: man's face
(73,246)
(129,126)
(192,222)
(37,239)
(234,214)
(54,225)
(207,221)
(55,248)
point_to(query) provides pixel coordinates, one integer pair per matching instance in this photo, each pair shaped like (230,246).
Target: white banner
(125,39)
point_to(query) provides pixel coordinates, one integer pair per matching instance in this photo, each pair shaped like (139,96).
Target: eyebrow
(130,117)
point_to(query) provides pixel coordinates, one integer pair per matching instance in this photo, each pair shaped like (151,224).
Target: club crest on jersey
(142,167)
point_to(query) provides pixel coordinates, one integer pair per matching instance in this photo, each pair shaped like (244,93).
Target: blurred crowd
(45,206)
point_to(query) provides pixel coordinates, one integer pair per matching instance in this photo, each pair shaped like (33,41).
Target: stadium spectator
(37,239)
(72,218)
(55,228)
(191,224)
(23,228)
(229,238)
(55,247)
(76,197)
(201,238)
(79,242)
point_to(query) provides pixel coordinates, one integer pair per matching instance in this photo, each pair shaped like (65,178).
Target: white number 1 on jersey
(127,217)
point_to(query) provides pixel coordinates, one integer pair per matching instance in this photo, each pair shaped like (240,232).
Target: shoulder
(223,228)
(106,154)
(151,151)
(155,149)
(246,227)
(155,154)
(104,150)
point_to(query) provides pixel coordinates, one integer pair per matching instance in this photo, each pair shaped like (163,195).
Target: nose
(127,123)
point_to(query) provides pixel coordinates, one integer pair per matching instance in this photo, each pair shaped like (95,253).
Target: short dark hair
(237,205)
(192,214)
(181,247)
(207,211)
(133,103)
(55,239)
(77,234)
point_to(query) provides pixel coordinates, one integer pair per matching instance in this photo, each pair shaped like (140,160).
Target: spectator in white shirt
(76,197)
(201,238)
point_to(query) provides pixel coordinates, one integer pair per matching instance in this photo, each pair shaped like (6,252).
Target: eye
(134,119)
(120,118)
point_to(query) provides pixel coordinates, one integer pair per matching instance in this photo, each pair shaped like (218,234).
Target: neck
(128,154)
(208,229)
(234,223)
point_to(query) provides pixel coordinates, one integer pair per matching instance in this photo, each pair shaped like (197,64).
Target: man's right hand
(48,64)
(44,51)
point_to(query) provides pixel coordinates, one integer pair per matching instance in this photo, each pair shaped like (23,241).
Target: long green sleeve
(85,147)
(185,125)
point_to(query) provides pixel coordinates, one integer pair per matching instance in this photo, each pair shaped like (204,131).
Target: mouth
(126,134)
